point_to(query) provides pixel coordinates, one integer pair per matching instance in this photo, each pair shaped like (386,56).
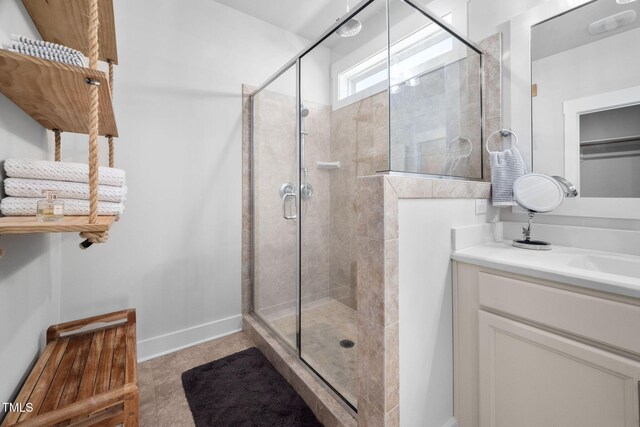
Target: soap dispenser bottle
(50,208)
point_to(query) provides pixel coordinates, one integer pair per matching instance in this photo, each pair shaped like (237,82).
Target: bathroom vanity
(546,338)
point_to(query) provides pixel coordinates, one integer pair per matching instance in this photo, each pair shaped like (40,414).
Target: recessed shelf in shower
(328,165)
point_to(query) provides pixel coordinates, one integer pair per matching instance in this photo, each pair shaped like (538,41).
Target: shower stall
(401,95)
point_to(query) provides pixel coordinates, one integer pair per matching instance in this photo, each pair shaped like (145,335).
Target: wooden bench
(83,378)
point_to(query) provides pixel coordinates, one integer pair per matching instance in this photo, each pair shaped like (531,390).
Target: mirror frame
(522,119)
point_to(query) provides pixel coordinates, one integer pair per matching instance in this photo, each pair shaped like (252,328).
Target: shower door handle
(285,196)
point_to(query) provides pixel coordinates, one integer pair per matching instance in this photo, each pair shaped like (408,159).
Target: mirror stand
(527,243)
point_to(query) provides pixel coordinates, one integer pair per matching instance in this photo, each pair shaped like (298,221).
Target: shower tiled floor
(324,324)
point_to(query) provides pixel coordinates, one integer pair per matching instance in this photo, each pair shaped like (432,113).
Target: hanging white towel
(506,167)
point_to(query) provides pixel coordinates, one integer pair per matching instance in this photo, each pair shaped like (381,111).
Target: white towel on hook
(506,167)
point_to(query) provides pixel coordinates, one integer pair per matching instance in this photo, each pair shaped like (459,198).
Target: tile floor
(162,399)
(324,324)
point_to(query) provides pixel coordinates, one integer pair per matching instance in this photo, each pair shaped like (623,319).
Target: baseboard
(178,340)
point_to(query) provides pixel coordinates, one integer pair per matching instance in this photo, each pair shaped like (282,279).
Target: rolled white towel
(20,187)
(61,171)
(22,206)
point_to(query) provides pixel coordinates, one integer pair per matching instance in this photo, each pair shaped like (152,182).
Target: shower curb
(324,404)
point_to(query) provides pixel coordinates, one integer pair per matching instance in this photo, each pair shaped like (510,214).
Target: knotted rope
(112,160)
(94,125)
(95,237)
(57,133)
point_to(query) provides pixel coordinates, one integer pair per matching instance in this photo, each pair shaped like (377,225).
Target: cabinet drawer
(609,322)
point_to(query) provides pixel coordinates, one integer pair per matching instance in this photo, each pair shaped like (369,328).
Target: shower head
(349,28)
(304,112)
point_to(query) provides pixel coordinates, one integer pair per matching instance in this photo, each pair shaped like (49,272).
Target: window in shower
(418,48)
(370,72)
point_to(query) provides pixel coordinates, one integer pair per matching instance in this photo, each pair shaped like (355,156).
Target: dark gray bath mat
(244,389)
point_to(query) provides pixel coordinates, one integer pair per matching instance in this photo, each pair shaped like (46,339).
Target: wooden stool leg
(131,410)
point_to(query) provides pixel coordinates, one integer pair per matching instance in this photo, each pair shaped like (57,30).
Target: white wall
(487,16)
(176,253)
(426,311)
(30,270)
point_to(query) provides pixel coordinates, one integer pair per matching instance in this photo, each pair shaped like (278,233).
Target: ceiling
(569,30)
(306,18)
(311,18)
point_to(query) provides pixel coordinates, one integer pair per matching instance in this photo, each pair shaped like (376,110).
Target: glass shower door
(275,205)
(344,136)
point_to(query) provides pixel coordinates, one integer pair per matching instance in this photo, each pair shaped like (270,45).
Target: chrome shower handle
(285,196)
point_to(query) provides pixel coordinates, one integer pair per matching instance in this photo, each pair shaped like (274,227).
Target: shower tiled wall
(315,255)
(274,142)
(492,91)
(359,134)
(428,118)
(356,136)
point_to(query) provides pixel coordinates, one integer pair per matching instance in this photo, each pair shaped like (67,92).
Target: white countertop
(562,264)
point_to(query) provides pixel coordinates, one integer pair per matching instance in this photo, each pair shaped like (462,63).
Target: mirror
(582,57)
(585,102)
(536,193)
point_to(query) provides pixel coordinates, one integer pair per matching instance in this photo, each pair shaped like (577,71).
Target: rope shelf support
(110,137)
(57,133)
(94,126)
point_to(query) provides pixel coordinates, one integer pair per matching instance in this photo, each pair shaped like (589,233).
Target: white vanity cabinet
(529,352)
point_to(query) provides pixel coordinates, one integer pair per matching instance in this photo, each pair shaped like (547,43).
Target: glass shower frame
(296,64)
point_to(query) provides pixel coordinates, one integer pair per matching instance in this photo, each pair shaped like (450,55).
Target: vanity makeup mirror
(536,193)
(582,110)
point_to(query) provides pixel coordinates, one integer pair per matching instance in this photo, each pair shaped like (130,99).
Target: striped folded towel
(506,167)
(20,187)
(46,50)
(45,53)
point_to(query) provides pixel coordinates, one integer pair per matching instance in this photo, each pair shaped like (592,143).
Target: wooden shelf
(66,22)
(30,225)
(56,95)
